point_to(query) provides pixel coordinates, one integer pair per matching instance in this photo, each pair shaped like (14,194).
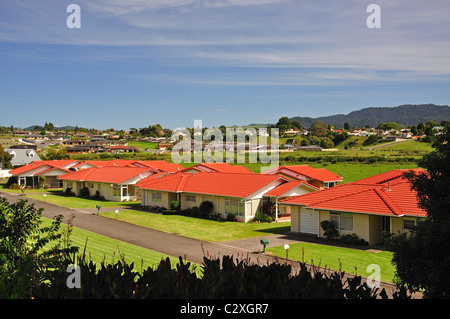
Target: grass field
(78,202)
(350,171)
(100,248)
(143,145)
(198,228)
(338,258)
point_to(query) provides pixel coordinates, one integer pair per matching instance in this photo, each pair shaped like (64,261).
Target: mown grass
(352,261)
(202,229)
(78,202)
(100,248)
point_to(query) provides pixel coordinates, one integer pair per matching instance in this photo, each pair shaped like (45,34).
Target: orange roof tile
(27,168)
(286,187)
(397,199)
(320,174)
(106,174)
(220,167)
(216,183)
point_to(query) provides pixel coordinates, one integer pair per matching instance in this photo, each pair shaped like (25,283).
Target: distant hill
(40,127)
(403,114)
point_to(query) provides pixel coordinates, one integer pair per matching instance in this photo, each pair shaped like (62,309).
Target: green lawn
(99,248)
(352,172)
(32,191)
(338,258)
(78,202)
(198,228)
(143,145)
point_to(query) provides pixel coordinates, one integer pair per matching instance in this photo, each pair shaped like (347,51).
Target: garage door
(309,221)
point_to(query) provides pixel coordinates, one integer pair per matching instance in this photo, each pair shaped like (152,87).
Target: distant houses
(23,156)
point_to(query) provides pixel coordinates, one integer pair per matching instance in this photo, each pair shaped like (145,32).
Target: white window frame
(156,197)
(338,220)
(191,198)
(234,206)
(329,184)
(408,220)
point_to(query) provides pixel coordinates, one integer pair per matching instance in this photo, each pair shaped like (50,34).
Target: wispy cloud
(323,41)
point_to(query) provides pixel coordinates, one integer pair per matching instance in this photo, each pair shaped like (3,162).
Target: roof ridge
(342,196)
(388,201)
(182,183)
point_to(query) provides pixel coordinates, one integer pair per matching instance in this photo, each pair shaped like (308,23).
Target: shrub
(353,239)
(223,278)
(68,191)
(261,218)
(169,212)
(214,216)
(205,208)
(14,186)
(98,196)
(231,216)
(194,212)
(329,229)
(175,205)
(84,192)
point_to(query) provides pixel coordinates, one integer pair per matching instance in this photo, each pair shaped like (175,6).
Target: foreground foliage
(422,259)
(225,278)
(36,263)
(28,251)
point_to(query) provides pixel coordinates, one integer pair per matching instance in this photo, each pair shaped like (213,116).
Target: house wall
(147,199)
(367,227)
(252,206)
(104,189)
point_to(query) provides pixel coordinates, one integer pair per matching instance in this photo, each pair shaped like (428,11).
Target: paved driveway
(165,243)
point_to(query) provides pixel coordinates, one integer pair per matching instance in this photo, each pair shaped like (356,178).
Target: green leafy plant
(330,231)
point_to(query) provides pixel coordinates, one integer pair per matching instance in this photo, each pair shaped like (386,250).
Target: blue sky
(232,62)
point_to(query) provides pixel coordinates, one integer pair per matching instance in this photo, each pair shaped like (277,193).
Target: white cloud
(323,41)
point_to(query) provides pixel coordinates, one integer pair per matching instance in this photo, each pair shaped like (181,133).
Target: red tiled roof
(159,165)
(384,178)
(106,174)
(220,167)
(27,168)
(53,168)
(286,187)
(62,163)
(216,183)
(320,174)
(395,199)
(50,164)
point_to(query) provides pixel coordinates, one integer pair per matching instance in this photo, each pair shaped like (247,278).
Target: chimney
(389,186)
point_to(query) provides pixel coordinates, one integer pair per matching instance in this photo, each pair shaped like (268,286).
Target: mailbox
(98,207)
(264,242)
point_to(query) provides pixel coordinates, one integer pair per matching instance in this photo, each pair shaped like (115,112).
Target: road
(168,244)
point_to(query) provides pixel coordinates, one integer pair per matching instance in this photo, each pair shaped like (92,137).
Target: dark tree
(422,259)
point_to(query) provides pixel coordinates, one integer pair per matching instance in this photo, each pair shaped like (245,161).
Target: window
(124,190)
(116,190)
(408,224)
(329,184)
(190,198)
(234,206)
(156,197)
(342,221)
